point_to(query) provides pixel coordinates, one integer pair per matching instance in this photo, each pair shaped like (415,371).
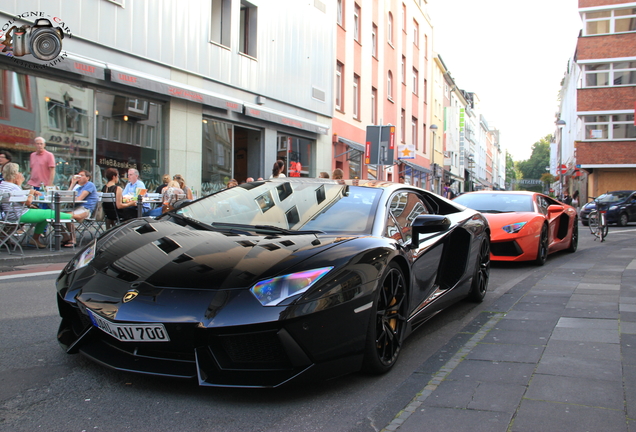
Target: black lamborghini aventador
(273,282)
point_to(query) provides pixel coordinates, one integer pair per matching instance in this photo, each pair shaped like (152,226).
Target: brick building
(605,137)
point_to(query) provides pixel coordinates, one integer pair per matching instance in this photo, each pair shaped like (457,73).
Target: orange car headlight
(513,228)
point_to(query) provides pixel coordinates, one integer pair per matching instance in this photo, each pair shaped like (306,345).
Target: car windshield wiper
(286,231)
(265,228)
(202,225)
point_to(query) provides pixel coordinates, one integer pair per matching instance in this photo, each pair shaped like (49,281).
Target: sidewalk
(557,352)
(33,257)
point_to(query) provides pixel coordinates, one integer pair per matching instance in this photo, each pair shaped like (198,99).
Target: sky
(513,55)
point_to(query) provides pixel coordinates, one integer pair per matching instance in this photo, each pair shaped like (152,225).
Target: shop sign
(13,134)
(116,164)
(67,141)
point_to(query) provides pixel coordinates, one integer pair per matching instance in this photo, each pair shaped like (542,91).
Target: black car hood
(164,254)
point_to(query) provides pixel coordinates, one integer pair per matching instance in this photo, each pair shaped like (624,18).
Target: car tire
(479,285)
(623,220)
(542,250)
(388,322)
(574,243)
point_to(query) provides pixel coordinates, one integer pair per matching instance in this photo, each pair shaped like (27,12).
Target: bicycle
(597,221)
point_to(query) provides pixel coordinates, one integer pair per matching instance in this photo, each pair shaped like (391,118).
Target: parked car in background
(524,226)
(620,207)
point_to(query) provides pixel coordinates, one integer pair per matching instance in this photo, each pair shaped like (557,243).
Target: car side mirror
(554,208)
(426,224)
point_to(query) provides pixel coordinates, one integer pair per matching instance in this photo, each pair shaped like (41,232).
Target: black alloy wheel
(388,322)
(574,244)
(623,219)
(481,276)
(542,252)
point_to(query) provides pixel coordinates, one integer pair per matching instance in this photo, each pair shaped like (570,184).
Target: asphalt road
(42,388)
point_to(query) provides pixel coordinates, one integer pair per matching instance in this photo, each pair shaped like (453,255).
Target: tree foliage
(534,167)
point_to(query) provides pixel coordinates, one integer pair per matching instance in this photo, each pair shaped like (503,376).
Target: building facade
(603,134)
(212,90)
(382,75)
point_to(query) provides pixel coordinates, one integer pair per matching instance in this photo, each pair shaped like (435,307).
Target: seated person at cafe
(86,191)
(134,188)
(13,179)
(120,210)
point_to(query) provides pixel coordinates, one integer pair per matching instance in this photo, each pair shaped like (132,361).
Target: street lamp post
(560,123)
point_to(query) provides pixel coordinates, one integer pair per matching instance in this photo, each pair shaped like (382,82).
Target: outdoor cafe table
(57,208)
(145,200)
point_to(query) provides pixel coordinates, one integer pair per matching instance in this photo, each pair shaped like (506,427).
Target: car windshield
(613,197)
(496,202)
(326,206)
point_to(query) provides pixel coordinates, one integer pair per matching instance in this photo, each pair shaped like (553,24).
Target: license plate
(130,332)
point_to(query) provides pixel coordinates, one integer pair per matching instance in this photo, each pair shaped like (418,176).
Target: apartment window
(425,91)
(424,138)
(339,12)
(374,106)
(609,127)
(612,21)
(20,92)
(416,33)
(414,132)
(416,78)
(248,32)
(403,70)
(339,86)
(610,74)
(403,125)
(55,113)
(425,46)
(403,17)
(356,22)
(389,29)
(356,97)
(220,25)
(389,86)
(374,40)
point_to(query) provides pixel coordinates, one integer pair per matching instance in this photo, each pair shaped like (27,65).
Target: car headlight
(272,292)
(83,259)
(514,228)
(614,207)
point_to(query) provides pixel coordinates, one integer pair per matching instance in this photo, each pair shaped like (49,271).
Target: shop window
(296,153)
(217,163)
(248,28)
(128,136)
(221,24)
(20,92)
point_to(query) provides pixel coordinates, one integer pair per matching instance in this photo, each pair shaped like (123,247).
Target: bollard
(140,205)
(57,228)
